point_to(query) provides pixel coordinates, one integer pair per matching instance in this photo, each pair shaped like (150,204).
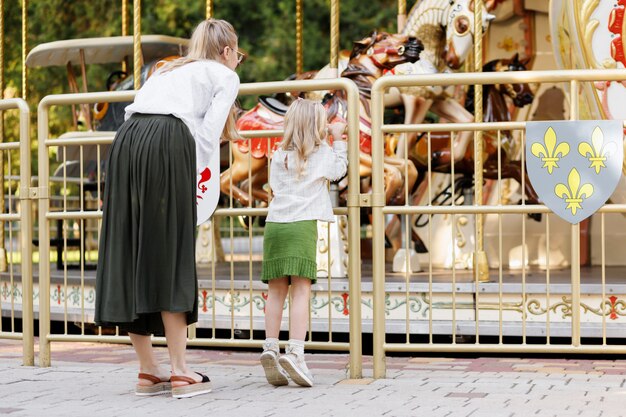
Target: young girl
(146,279)
(298,179)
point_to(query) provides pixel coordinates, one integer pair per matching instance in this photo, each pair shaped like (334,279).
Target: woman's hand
(336,130)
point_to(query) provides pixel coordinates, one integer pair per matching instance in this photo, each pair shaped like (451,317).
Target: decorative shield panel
(574,165)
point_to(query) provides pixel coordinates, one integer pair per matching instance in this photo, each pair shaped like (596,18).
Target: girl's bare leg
(278,290)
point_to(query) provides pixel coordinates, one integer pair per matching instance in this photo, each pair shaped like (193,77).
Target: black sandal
(192,388)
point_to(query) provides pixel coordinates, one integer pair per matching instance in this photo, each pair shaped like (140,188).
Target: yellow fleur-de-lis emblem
(575,194)
(549,153)
(598,151)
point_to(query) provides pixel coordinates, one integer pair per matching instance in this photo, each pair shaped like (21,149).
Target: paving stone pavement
(97,380)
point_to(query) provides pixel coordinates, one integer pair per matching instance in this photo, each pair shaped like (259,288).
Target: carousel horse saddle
(273,105)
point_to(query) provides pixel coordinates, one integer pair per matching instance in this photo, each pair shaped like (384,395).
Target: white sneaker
(296,368)
(274,373)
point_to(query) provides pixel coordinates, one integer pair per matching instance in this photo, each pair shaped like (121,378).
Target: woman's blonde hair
(208,41)
(305,128)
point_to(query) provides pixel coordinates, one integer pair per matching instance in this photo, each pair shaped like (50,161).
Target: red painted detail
(344,296)
(204,297)
(204,177)
(613,314)
(259,118)
(616,23)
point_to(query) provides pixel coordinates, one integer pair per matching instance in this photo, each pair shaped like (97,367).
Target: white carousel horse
(446,29)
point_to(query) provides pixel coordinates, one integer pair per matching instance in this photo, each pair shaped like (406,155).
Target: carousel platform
(536,303)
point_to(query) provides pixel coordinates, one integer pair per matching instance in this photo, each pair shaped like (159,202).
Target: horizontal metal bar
(336,346)
(84,98)
(487,78)
(13,217)
(107,139)
(261,133)
(453,127)
(71,215)
(228,212)
(9,146)
(100,140)
(463,209)
(14,104)
(10,335)
(460,209)
(488,348)
(298,85)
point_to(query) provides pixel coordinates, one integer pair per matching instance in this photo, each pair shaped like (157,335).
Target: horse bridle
(388,50)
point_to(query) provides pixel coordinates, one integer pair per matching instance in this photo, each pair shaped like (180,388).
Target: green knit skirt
(146,258)
(289,249)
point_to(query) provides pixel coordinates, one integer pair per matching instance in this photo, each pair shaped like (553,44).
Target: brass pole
(3,253)
(26,241)
(573,115)
(481,267)
(334,36)
(354,235)
(124,29)
(378,231)
(137,63)
(44,236)
(24,47)
(299,59)
(401,15)
(209,9)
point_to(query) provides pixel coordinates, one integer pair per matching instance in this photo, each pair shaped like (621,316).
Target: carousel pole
(209,9)
(481,267)
(401,15)
(28,340)
(125,29)
(3,253)
(334,37)
(137,63)
(24,48)
(299,59)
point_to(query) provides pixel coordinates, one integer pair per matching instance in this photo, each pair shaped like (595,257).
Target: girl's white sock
(271,343)
(297,346)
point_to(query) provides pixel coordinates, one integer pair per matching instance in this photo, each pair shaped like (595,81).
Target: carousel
(447,272)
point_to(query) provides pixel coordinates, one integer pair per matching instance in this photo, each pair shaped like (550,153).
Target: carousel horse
(446,29)
(369,58)
(495,109)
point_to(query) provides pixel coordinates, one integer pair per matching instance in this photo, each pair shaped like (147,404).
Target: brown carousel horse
(495,109)
(369,58)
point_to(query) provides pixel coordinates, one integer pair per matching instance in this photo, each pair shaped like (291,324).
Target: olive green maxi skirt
(289,249)
(146,258)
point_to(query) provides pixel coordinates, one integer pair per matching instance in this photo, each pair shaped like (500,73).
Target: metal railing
(443,310)
(24,218)
(209,301)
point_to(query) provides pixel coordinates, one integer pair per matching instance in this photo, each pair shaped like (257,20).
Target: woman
(146,278)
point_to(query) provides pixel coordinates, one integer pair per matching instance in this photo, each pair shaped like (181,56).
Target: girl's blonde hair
(305,128)
(208,41)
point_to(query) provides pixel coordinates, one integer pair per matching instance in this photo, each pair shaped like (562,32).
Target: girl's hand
(336,130)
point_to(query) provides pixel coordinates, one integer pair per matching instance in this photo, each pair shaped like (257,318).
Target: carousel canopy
(103,50)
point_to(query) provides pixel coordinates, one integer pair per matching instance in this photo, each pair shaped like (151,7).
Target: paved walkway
(97,380)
